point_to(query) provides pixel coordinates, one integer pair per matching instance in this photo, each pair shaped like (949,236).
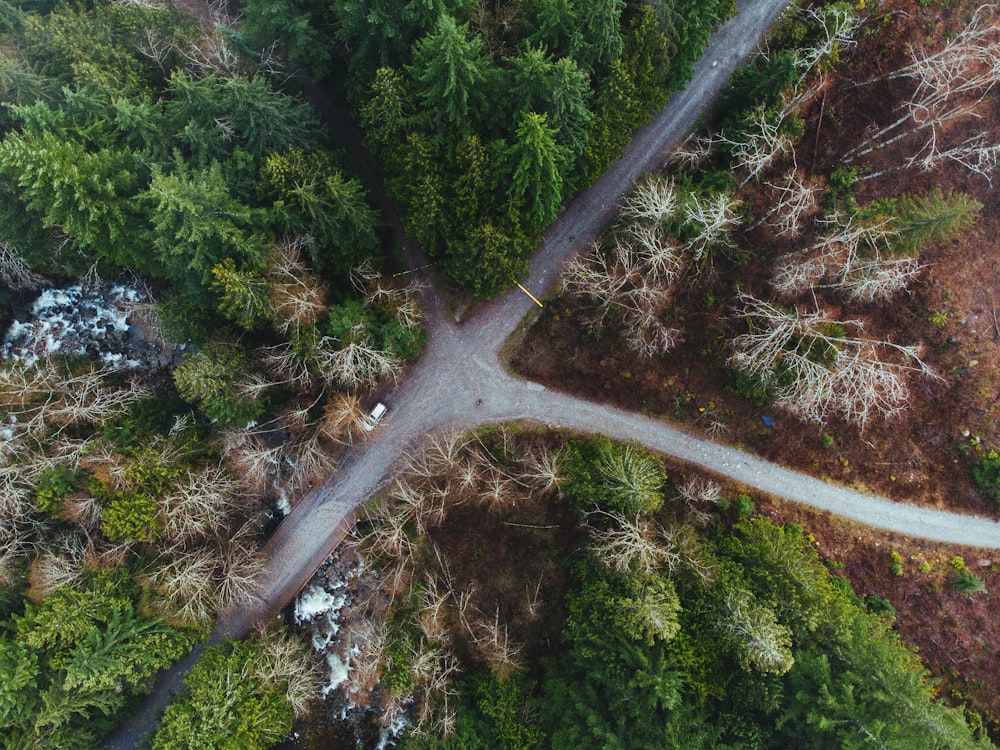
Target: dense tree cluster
(69,664)
(132,139)
(241,695)
(486,116)
(705,630)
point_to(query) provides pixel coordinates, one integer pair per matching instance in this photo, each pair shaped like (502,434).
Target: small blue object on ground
(767,421)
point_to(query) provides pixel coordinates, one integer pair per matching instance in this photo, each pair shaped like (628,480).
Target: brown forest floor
(919,456)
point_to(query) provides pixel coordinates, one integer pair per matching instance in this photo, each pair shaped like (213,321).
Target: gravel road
(458,362)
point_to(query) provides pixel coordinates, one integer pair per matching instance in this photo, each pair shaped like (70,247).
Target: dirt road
(459,362)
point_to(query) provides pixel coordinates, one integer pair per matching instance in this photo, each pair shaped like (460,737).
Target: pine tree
(242,294)
(383,115)
(615,109)
(211,379)
(556,27)
(198,223)
(86,194)
(447,67)
(933,217)
(489,259)
(558,89)
(602,28)
(538,165)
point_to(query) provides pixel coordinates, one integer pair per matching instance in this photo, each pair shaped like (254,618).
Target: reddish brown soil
(920,456)
(511,559)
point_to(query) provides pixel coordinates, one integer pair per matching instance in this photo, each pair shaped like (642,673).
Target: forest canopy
(487,116)
(134,140)
(572,593)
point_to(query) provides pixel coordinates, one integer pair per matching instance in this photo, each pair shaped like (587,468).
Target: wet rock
(98,320)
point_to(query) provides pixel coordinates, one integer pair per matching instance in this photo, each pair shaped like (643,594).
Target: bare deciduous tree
(45,394)
(358,364)
(372,641)
(710,218)
(761,640)
(445,450)
(433,611)
(297,296)
(977,154)
(59,564)
(654,200)
(659,258)
(389,537)
(399,302)
(759,144)
(794,199)
(542,470)
(836,25)
(963,56)
(625,287)
(701,497)
(815,368)
(284,362)
(16,540)
(157,47)
(852,258)
(83,510)
(625,544)
(287,661)
(342,418)
(433,712)
(309,458)
(14,272)
(251,458)
(951,84)
(211,54)
(186,579)
(199,502)
(493,643)
(692,153)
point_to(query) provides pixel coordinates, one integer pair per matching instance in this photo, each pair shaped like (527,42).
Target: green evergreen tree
(242,295)
(85,194)
(489,260)
(130,517)
(538,163)
(313,197)
(74,662)
(475,184)
(614,476)
(921,219)
(198,223)
(214,113)
(615,111)
(237,697)
(558,89)
(384,115)
(556,27)
(376,33)
(299,26)
(422,185)
(447,67)
(211,379)
(602,28)
(646,58)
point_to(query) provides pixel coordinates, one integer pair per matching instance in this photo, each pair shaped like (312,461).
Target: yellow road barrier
(533,297)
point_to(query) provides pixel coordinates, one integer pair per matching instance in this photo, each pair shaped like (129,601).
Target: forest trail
(462,363)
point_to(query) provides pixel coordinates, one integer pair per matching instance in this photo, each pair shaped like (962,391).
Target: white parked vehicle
(371,420)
